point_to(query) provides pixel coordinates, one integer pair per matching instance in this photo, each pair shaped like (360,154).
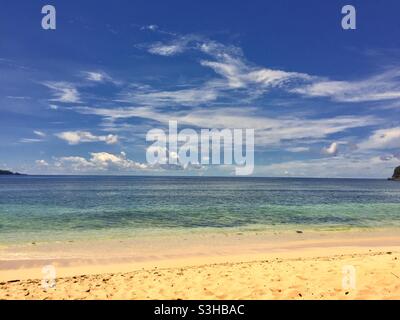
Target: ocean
(63,208)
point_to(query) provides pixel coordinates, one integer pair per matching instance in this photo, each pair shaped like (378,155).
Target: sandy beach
(287,265)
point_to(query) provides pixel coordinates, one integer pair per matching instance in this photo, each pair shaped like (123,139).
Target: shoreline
(155,234)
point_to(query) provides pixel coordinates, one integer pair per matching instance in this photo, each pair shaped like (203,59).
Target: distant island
(396,175)
(9,173)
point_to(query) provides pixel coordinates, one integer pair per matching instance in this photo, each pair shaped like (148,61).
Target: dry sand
(236,266)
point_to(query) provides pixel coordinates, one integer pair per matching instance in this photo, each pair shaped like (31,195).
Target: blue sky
(324,102)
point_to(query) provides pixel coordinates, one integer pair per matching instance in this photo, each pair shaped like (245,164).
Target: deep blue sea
(48,208)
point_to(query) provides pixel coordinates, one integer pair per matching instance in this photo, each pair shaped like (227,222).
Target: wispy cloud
(381,87)
(94,76)
(39,133)
(151,27)
(39,137)
(186,97)
(269,131)
(30,140)
(63,92)
(166,50)
(97,76)
(230,64)
(235,72)
(298,149)
(19,98)
(177,45)
(77,137)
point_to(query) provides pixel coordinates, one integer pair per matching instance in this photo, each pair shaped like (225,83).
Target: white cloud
(74,163)
(99,161)
(333,149)
(382,139)
(76,137)
(64,92)
(106,160)
(42,163)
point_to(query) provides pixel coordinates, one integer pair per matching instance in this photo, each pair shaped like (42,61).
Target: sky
(323,101)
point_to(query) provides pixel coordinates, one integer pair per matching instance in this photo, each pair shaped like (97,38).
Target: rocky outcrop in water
(396,174)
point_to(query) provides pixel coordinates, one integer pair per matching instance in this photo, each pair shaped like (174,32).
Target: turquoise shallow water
(39,208)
